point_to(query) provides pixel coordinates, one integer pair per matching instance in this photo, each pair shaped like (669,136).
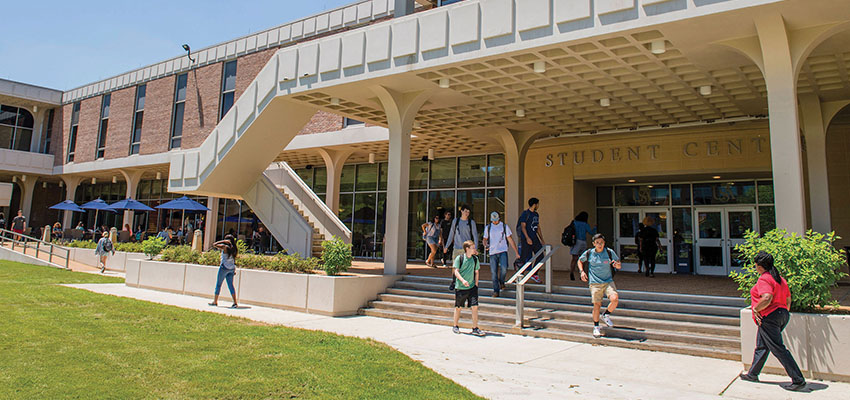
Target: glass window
(765,189)
(724,193)
(306,175)
(628,224)
(6,134)
(496,170)
(419,174)
(23,139)
(9,115)
(228,88)
(472,171)
(346,205)
(382,176)
(440,201)
(25,119)
(363,231)
(144,191)
(346,122)
(178,111)
(605,222)
(415,218)
(767,218)
(346,181)
(100,150)
(48,131)
(683,230)
(643,195)
(604,196)
(681,194)
(475,199)
(320,180)
(380,226)
(138,117)
(72,143)
(367,177)
(443,172)
(495,202)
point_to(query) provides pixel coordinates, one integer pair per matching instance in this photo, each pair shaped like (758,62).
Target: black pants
(770,341)
(649,260)
(640,260)
(528,250)
(447,256)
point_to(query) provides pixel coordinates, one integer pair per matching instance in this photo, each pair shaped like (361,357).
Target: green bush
(336,256)
(212,257)
(79,244)
(152,246)
(130,247)
(243,247)
(180,254)
(810,264)
(283,262)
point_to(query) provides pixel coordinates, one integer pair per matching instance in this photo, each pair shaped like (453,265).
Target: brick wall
(156,129)
(322,121)
(121,108)
(200,115)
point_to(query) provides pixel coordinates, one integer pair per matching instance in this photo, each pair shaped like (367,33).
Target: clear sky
(65,44)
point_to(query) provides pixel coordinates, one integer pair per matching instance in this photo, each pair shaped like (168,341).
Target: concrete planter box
(820,344)
(84,256)
(320,294)
(115,262)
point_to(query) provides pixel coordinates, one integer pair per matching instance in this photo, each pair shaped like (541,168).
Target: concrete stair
(685,324)
(318,237)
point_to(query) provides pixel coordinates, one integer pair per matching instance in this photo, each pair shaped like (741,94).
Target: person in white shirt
(497,236)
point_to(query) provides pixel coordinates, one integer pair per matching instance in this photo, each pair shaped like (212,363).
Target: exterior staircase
(676,323)
(318,237)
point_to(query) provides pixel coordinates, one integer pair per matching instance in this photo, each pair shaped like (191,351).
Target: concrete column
(334,161)
(814,129)
(211,222)
(132,178)
(786,151)
(27,188)
(71,183)
(515,145)
(37,129)
(400,109)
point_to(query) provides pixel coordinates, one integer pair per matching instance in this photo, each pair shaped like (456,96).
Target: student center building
(714,117)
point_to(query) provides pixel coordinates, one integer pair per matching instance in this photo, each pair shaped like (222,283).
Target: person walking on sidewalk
(445,228)
(227,267)
(497,235)
(465,269)
(600,261)
(582,230)
(530,233)
(19,224)
(649,245)
(104,247)
(770,298)
(463,229)
(431,235)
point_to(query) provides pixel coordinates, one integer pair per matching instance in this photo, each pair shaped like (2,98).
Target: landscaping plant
(153,246)
(810,264)
(336,256)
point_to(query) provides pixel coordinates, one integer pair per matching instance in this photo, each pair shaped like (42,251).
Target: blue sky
(64,44)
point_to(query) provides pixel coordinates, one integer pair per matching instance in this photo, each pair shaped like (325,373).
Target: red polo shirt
(766,284)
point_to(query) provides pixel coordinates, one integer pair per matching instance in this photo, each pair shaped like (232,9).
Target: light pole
(188,52)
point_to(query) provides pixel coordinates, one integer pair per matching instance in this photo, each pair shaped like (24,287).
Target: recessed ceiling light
(444,83)
(658,46)
(632,181)
(539,67)
(335,101)
(650,186)
(705,90)
(605,102)
(715,177)
(520,113)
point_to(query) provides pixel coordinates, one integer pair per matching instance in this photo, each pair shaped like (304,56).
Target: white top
(499,233)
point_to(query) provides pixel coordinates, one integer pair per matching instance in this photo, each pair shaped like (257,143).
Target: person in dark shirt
(445,227)
(649,245)
(531,236)
(19,223)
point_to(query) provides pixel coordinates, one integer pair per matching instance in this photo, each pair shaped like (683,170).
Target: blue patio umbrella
(67,205)
(184,203)
(97,205)
(129,204)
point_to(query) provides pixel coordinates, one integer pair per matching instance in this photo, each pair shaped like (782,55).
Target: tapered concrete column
(334,161)
(516,145)
(71,183)
(210,222)
(401,109)
(37,129)
(132,178)
(27,187)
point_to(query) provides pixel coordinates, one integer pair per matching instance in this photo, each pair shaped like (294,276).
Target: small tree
(810,264)
(152,246)
(336,256)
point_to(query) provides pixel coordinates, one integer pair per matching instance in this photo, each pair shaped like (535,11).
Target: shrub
(130,247)
(212,257)
(810,264)
(283,262)
(152,246)
(243,247)
(336,256)
(180,254)
(79,244)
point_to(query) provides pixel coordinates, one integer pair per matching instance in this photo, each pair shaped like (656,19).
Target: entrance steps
(677,323)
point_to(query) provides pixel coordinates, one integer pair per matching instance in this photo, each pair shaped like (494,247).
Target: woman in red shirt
(770,297)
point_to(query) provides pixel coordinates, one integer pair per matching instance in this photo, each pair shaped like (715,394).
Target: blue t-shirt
(583,229)
(600,264)
(531,219)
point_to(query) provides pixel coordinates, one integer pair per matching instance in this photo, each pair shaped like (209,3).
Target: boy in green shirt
(465,270)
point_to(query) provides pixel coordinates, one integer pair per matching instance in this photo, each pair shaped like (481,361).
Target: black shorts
(468,296)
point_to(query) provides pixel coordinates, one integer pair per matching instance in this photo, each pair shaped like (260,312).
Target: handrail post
(25,244)
(50,257)
(37,246)
(520,305)
(548,269)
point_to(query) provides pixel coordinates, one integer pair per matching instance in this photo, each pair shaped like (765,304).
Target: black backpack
(568,237)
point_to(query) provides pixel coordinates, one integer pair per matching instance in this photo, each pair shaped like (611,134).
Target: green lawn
(59,342)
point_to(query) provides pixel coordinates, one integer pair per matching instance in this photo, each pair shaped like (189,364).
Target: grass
(60,342)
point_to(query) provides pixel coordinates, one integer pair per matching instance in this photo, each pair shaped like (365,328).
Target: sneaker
(214,304)
(495,294)
(455,329)
(795,387)
(477,332)
(502,286)
(607,320)
(234,305)
(597,332)
(749,378)
(535,279)
(572,277)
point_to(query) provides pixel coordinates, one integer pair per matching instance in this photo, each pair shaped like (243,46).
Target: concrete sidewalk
(515,367)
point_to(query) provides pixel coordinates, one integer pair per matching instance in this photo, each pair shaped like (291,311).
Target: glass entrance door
(628,221)
(718,231)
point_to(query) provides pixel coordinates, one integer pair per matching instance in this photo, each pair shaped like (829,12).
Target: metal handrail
(24,241)
(527,264)
(523,279)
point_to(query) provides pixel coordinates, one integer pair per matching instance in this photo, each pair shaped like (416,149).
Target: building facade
(620,109)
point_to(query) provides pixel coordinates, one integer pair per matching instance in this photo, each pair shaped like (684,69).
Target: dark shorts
(468,296)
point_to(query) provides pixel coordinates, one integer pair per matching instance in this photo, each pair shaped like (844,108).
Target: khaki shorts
(598,290)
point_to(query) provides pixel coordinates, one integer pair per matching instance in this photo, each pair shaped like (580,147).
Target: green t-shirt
(467,267)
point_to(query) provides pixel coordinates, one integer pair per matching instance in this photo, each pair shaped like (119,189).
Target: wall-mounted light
(705,90)
(44,185)
(159,175)
(605,102)
(715,177)
(658,46)
(371,158)
(444,83)
(61,184)
(35,109)
(417,124)
(93,181)
(632,181)
(430,154)
(334,101)
(114,179)
(188,52)
(520,113)
(539,67)
(14,179)
(23,178)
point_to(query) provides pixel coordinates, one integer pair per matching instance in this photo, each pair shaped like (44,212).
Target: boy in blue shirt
(600,259)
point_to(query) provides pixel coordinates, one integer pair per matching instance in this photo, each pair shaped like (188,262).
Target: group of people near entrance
(597,264)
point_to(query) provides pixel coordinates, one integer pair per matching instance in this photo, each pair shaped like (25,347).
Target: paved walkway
(515,367)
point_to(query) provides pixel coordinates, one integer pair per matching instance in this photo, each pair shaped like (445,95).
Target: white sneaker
(607,320)
(597,332)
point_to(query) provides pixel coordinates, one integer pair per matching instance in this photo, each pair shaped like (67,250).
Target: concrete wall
(820,344)
(10,255)
(319,294)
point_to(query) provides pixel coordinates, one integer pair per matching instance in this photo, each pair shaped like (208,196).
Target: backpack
(568,237)
(452,285)
(610,257)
